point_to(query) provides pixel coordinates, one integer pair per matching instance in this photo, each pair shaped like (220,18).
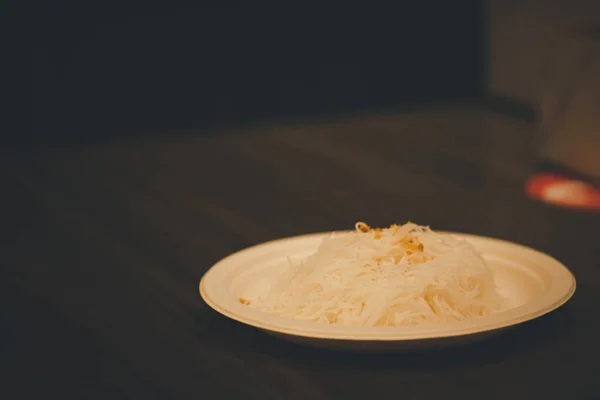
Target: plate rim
(563,291)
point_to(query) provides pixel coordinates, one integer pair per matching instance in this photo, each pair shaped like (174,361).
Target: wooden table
(103,246)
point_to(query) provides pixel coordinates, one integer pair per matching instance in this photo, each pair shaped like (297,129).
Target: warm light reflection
(562,191)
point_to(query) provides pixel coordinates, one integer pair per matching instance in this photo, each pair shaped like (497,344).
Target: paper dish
(534,282)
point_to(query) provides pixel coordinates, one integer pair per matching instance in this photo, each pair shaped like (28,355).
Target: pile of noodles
(401,275)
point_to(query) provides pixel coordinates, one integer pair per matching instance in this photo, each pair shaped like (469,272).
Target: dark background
(108,69)
(111,221)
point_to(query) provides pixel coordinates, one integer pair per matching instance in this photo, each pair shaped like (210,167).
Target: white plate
(534,282)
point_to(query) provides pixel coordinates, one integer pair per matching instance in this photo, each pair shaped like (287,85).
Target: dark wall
(102,69)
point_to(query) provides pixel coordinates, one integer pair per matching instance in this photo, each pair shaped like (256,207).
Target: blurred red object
(563,191)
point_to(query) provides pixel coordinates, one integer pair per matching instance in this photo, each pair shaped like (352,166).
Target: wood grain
(103,245)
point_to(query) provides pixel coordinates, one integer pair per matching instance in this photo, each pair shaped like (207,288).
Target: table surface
(103,245)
